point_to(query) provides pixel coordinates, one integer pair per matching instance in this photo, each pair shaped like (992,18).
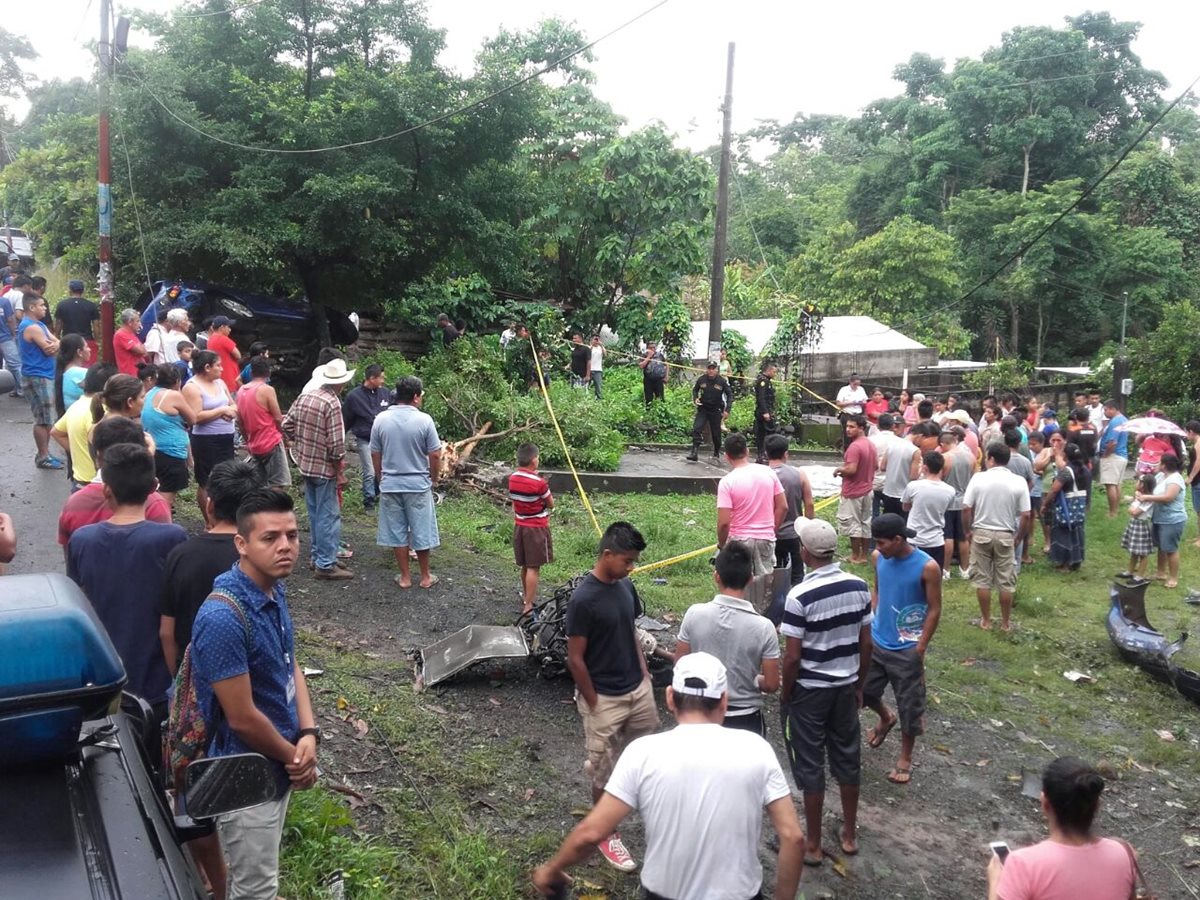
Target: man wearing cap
(406,455)
(750,505)
(764,409)
(701,790)
(13,268)
(1050,421)
(996,512)
(127,346)
(317,434)
(731,629)
(827,624)
(713,399)
(75,314)
(857,472)
(220,343)
(907,603)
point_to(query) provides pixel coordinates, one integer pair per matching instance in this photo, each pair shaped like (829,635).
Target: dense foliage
(536,205)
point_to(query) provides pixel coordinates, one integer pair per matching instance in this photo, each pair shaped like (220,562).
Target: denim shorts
(407,519)
(1167,537)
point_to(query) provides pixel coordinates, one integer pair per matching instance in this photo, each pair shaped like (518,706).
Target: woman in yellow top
(74,427)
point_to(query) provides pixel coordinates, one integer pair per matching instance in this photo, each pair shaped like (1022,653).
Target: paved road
(30,495)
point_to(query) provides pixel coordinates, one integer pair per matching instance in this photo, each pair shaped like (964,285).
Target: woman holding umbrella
(1168,518)
(1155,435)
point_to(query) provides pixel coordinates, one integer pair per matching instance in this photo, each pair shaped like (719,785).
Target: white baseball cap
(816,535)
(705,672)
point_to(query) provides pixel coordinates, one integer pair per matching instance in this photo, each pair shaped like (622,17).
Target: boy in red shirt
(532,502)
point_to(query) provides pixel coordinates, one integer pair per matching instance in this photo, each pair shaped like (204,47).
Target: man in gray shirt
(1021,466)
(407,453)
(730,629)
(960,466)
(798,493)
(901,464)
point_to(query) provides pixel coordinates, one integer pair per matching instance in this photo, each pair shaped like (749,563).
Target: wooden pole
(104,192)
(717,294)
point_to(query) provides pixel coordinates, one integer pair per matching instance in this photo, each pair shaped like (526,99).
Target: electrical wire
(218,12)
(1025,248)
(137,216)
(754,231)
(388,137)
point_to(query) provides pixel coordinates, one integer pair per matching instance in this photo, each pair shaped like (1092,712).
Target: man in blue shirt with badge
(248,682)
(907,604)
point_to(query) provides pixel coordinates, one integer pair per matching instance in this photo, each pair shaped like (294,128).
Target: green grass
(423,843)
(978,675)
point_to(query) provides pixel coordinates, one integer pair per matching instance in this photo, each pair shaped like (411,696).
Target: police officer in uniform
(764,409)
(713,400)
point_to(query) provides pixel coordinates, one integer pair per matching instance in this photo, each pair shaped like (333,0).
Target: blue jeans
(324,520)
(12,360)
(597,381)
(370,490)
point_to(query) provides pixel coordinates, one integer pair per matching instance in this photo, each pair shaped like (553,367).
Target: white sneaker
(945,574)
(612,848)
(965,574)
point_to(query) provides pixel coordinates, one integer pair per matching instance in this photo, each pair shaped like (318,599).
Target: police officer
(764,409)
(713,400)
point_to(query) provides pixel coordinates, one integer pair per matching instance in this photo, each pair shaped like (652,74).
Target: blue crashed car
(290,328)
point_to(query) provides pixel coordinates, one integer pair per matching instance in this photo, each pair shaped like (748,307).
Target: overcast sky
(791,56)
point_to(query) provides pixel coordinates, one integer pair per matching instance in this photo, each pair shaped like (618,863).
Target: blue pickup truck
(82,813)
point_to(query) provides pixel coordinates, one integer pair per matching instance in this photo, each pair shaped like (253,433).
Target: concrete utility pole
(104,280)
(717,294)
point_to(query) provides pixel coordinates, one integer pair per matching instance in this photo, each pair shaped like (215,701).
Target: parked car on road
(289,327)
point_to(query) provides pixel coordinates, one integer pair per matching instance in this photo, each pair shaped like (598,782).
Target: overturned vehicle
(291,328)
(1140,643)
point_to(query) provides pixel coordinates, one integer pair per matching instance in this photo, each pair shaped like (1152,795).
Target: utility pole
(104,280)
(717,294)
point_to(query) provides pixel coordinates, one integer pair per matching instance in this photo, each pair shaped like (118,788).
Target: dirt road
(32,496)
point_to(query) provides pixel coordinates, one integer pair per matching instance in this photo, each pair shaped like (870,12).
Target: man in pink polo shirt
(750,505)
(857,472)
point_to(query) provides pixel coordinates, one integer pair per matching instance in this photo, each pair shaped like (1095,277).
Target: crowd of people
(923,484)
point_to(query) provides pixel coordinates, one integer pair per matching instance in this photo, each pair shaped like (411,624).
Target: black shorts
(751,721)
(937,554)
(207,451)
(894,505)
(905,671)
(171,471)
(821,720)
(953,528)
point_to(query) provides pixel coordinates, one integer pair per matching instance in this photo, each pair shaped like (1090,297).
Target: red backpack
(188,732)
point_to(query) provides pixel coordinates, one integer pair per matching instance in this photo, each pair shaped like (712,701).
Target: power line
(754,231)
(137,216)
(388,137)
(219,12)
(1025,248)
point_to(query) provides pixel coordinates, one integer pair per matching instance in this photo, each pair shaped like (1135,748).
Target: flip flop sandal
(815,863)
(433,579)
(898,772)
(403,587)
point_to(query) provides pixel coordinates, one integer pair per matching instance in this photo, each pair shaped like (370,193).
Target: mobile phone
(1000,849)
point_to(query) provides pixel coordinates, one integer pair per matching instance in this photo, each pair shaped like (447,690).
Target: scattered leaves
(1164,735)
(361,728)
(343,703)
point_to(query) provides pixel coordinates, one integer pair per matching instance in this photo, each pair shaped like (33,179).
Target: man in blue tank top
(38,350)
(907,604)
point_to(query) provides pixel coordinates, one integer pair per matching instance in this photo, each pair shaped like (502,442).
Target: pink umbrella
(1151,425)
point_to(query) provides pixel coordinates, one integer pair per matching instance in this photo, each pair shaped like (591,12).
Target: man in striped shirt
(532,502)
(827,623)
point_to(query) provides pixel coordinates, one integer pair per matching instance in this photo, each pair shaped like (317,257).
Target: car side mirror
(225,784)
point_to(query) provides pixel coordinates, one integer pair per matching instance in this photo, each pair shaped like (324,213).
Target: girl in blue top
(70,367)
(1168,517)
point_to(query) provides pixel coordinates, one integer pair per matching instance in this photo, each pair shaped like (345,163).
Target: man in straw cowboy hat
(317,434)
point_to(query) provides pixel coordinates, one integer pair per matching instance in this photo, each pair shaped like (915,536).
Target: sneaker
(344,551)
(334,573)
(614,852)
(692,457)
(964,574)
(18,394)
(50,462)
(945,574)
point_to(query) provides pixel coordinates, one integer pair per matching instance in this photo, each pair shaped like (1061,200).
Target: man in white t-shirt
(596,365)
(176,333)
(701,790)
(926,502)
(850,399)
